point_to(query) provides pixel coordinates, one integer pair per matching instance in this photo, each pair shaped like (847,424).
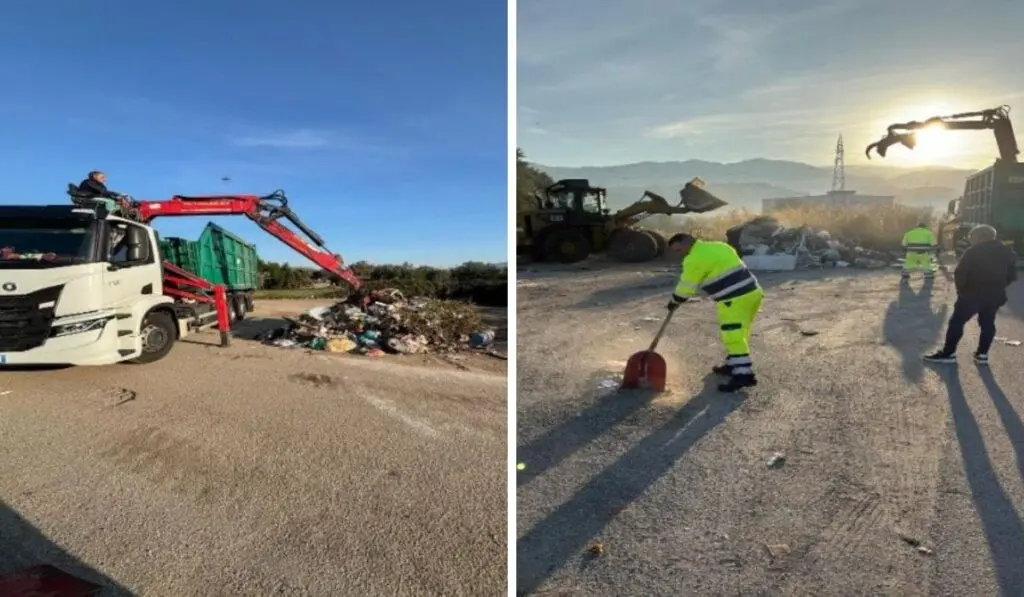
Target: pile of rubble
(813,248)
(383,321)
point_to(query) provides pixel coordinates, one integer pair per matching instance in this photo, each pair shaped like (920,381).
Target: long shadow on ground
(663,283)
(1008,415)
(910,326)
(22,546)
(553,541)
(1001,523)
(565,439)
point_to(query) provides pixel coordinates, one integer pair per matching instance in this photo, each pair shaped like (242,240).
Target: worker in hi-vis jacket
(919,242)
(715,268)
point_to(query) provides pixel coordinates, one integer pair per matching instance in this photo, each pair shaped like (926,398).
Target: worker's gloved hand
(675,302)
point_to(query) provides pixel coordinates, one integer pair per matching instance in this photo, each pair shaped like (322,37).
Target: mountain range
(744,184)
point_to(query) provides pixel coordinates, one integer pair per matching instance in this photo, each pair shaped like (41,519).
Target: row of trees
(481,283)
(528,180)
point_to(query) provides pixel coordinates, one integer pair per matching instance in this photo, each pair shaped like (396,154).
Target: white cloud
(296,139)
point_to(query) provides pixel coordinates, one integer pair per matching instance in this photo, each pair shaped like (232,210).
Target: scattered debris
(596,549)
(915,543)
(609,384)
(123,395)
(805,332)
(812,248)
(5,392)
(373,323)
(1012,342)
(777,460)
(520,466)
(777,550)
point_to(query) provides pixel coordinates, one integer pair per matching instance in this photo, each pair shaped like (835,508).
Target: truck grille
(23,325)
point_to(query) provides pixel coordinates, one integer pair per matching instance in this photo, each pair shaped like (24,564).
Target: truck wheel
(241,309)
(158,334)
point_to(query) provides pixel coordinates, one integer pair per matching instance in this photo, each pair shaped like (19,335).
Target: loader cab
(573,202)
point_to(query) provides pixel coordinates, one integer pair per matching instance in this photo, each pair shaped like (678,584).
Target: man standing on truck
(981,277)
(919,243)
(716,268)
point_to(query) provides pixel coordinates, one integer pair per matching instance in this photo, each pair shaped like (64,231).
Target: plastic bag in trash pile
(385,321)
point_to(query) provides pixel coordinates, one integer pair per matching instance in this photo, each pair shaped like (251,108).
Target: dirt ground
(268,315)
(255,470)
(898,479)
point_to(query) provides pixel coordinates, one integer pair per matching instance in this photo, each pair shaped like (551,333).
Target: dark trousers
(965,308)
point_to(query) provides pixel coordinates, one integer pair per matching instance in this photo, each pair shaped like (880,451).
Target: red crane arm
(996,120)
(265,211)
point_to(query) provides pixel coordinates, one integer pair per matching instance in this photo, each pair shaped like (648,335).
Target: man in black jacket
(95,187)
(984,272)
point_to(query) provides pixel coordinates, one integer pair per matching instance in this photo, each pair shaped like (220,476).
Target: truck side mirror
(138,245)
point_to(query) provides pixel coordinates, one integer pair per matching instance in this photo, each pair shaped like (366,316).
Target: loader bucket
(698,199)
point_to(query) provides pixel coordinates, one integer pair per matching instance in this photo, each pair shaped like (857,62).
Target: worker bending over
(919,242)
(715,268)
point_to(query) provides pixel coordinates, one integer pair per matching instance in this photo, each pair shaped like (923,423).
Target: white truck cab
(79,286)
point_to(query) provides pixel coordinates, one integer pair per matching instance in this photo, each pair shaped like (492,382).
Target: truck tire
(241,308)
(158,334)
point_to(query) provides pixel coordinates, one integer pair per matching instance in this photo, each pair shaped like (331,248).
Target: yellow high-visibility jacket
(717,269)
(919,239)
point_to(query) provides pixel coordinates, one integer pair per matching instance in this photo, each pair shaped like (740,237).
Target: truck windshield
(45,243)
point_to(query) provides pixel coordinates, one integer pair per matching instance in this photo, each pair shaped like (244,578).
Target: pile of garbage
(384,321)
(812,247)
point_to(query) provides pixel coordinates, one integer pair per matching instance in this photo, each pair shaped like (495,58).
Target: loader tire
(633,246)
(566,245)
(660,239)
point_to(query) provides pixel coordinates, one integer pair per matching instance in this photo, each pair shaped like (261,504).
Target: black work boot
(738,382)
(722,369)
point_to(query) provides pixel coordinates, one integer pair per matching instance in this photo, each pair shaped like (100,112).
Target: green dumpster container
(219,257)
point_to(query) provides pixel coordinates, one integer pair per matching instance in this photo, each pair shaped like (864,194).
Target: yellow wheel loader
(570,221)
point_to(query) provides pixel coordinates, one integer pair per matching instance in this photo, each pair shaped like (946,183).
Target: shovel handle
(661,331)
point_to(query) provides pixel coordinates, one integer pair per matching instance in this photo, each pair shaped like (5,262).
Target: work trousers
(735,317)
(919,261)
(964,309)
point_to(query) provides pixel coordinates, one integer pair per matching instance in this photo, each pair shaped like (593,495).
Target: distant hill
(744,184)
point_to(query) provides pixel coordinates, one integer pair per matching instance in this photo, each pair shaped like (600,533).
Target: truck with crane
(993,196)
(81,284)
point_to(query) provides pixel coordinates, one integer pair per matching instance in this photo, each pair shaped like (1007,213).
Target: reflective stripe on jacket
(717,269)
(919,239)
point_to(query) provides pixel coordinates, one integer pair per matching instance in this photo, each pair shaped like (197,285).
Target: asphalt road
(253,470)
(632,494)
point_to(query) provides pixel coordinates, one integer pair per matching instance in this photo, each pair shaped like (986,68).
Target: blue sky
(616,82)
(385,122)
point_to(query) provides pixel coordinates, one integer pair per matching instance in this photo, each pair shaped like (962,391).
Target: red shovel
(647,369)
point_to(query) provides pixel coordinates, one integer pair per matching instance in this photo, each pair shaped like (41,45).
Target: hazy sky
(609,82)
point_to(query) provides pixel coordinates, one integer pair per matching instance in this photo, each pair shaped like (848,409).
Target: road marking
(390,408)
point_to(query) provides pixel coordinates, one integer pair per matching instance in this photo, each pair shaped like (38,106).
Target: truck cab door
(134,267)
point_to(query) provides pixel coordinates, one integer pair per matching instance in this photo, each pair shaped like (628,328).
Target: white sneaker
(981,359)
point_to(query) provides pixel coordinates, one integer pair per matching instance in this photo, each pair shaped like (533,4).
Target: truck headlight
(79,327)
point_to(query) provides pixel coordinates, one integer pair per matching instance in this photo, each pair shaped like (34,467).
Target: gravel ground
(882,452)
(253,470)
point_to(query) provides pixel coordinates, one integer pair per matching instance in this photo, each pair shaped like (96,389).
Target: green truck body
(219,257)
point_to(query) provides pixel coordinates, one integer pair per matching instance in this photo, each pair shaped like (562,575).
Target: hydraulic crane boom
(266,211)
(996,120)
